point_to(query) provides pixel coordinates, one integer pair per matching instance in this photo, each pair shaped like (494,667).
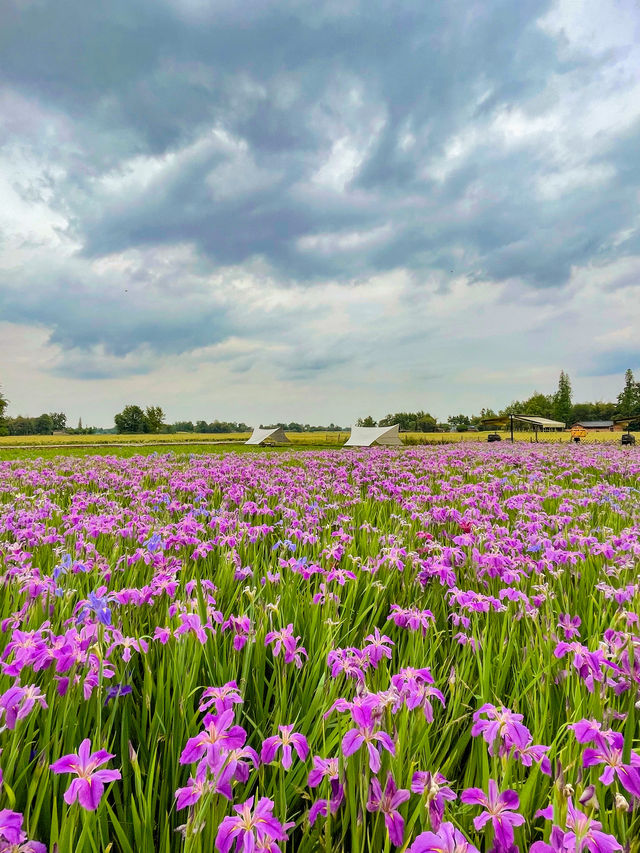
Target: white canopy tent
(367,436)
(268,436)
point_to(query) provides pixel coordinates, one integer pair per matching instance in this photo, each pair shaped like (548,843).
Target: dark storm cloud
(83,315)
(331,140)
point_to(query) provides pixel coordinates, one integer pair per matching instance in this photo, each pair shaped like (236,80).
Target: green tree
(3,407)
(562,399)
(629,397)
(425,422)
(366,422)
(540,405)
(59,420)
(459,420)
(154,417)
(131,420)
(44,425)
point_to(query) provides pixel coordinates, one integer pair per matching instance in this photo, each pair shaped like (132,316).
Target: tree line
(135,419)
(558,406)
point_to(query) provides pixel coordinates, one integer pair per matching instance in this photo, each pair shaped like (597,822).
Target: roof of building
(503,420)
(594,424)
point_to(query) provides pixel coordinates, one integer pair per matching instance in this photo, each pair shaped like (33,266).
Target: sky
(316,210)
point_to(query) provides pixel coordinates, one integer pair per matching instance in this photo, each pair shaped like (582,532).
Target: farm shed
(367,436)
(594,425)
(268,436)
(544,424)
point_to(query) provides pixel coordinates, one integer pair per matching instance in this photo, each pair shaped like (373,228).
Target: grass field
(307,439)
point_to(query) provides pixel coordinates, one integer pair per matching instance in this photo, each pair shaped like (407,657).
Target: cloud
(310,186)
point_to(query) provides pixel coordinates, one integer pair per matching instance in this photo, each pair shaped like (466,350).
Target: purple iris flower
(17,702)
(98,605)
(323,807)
(387,802)
(435,786)
(250,826)
(501,728)
(223,698)
(219,734)
(88,788)
(117,690)
(323,768)
(499,809)
(608,750)
(581,834)
(365,732)
(285,740)
(13,837)
(378,646)
(285,640)
(569,625)
(448,839)
(587,664)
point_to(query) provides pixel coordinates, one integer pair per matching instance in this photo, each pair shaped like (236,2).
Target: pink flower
(587,664)
(88,788)
(286,740)
(388,803)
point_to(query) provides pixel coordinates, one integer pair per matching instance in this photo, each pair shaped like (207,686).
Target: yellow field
(70,440)
(327,439)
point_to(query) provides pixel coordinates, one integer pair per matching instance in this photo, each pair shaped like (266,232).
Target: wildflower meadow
(431,649)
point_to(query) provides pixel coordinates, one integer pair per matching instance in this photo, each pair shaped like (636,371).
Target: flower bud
(567,791)
(588,797)
(133,755)
(621,803)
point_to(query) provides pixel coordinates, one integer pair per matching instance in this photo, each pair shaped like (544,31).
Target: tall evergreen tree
(562,399)
(629,397)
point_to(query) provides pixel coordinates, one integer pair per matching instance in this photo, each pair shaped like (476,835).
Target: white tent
(366,436)
(268,436)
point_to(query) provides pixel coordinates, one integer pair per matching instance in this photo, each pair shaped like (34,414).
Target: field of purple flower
(427,649)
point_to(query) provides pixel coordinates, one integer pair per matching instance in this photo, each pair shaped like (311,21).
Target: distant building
(601,425)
